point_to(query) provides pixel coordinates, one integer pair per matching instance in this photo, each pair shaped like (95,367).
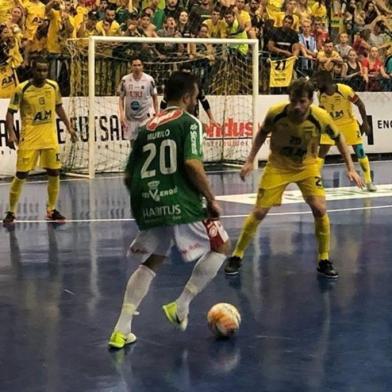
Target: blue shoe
(171,314)
(119,340)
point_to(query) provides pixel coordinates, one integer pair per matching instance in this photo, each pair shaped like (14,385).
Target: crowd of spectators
(349,38)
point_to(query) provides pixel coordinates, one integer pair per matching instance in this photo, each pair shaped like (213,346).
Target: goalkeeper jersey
(161,192)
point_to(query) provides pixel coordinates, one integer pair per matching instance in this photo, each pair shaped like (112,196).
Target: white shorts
(193,240)
(131,130)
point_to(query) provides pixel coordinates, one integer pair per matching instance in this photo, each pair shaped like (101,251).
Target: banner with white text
(235,134)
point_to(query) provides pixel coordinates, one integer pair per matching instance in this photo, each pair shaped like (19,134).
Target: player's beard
(191,108)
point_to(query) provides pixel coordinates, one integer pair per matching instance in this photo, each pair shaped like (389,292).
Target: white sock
(203,272)
(137,288)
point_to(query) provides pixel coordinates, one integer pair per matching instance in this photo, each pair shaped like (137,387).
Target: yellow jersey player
(295,128)
(38,100)
(337,100)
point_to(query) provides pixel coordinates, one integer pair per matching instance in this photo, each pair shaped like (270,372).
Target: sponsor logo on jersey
(135,105)
(194,143)
(42,116)
(153,190)
(156,194)
(163,118)
(154,212)
(7,80)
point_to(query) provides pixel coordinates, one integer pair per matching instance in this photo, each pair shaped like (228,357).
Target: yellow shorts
(274,181)
(29,159)
(351,133)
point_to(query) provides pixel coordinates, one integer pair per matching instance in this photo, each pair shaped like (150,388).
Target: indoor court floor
(61,289)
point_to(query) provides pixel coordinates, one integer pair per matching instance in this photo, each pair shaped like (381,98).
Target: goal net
(227,72)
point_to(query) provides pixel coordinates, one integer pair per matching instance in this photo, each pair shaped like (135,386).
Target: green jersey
(161,192)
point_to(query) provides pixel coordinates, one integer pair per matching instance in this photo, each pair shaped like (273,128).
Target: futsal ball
(223,320)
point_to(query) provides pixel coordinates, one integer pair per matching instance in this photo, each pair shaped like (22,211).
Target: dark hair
(288,17)
(324,75)
(186,66)
(301,87)
(93,15)
(179,84)
(134,58)
(3,26)
(229,11)
(38,60)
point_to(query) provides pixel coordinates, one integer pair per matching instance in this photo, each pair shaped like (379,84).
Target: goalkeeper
(138,99)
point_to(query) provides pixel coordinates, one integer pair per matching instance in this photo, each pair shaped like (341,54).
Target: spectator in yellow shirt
(216,26)
(328,58)
(61,27)
(108,26)
(34,12)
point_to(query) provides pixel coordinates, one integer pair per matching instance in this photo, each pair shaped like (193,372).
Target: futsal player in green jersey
(295,128)
(167,183)
(38,101)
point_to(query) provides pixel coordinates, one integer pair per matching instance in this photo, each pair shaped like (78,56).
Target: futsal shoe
(54,215)
(120,340)
(326,268)
(233,265)
(9,218)
(171,314)
(370,187)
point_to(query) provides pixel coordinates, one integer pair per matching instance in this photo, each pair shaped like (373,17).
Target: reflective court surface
(61,289)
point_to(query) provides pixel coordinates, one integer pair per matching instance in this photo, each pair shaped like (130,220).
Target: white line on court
(109,220)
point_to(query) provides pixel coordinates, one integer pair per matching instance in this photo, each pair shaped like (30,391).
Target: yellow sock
(320,162)
(322,231)
(15,191)
(247,233)
(365,166)
(53,191)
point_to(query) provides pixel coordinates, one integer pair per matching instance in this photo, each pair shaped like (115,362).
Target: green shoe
(119,340)
(171,314)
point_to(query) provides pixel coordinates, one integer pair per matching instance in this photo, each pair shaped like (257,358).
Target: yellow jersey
(217,30)
(57,36)
(294,146)
(282,72)
(35,11)
(319,11)
(5,10)
(37,107)
(8,81)
(339,105)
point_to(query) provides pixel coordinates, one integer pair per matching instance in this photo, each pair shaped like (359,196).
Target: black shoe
(55,215)
(326,268)
(233,265)
(9,218)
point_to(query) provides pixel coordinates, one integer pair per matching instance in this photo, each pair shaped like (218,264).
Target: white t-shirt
(137,94)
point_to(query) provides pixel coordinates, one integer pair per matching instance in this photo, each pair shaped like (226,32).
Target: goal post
(233,98)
